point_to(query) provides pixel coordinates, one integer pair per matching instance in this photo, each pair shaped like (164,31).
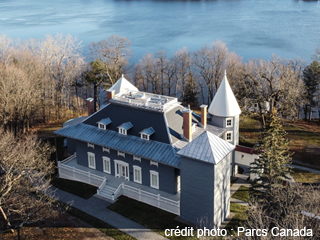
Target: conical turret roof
(224,103)
(123,85)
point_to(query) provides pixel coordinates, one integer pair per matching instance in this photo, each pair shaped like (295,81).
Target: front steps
(107,192)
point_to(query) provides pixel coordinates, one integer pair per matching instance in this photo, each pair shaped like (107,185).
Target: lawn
(303,176)
(76,188)
(304,138)
(239,218)
(242,194)
(146,215)
(100,225)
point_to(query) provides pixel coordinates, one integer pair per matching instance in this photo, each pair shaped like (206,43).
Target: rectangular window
(229,136)
(104,149)
(122,154)
(102,126)
(135,158)
(90,145)
(137,176)
(106,165)
(144,136)
(122,131)
(154,179)
(153,163)
(91,160)
(229,122)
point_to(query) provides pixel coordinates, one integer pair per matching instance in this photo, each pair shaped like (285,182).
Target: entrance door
(121,169)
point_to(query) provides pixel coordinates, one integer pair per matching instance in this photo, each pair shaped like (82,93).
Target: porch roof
(152,150)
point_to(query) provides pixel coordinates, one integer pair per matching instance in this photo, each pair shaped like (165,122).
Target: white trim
(144,136)
(106,165)
(90,145)
(122,154)
(136,158)
(231,122)
(153,163)
(91,164)
(156,175)
(122,131)
(137,177)
(229,133)
(102,126)
(104,149)
(121,169)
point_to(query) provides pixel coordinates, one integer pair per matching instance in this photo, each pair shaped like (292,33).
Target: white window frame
(136,158)
(122,154)
(90,145)
(104,149)
(118,166)
(231,137)
(153,163)
(90,154)
(122,131)
(102,126)
(156,174)
(137,178)
(106,163)
(229,119)
(145,136)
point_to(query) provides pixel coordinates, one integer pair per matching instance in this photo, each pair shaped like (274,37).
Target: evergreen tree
(311,79)
(274,155)
(96,76)
(191,93)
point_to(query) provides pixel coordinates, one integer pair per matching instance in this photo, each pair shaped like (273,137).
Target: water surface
(251,28)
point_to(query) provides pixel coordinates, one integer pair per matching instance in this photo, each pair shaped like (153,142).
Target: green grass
(76,188)
(148,216)
(239,217)
(242,194)
(100,225)
(303,176)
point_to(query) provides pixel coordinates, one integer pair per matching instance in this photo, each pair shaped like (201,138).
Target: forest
(43,79)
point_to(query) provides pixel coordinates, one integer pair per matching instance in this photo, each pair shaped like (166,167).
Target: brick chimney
(90,106)
(204,114)
(187,124)
(110,94)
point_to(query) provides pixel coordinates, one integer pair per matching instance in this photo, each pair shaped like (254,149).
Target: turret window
(229,136)
(229,122)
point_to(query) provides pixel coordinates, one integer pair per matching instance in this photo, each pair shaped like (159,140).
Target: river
(251,28)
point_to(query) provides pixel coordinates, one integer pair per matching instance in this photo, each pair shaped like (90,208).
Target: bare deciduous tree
(277,81)
(114,53)
(293,207)
(24,181)
(61,56)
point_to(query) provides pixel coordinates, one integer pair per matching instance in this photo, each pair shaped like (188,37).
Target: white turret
(224,110)
(123,85)
(224,103)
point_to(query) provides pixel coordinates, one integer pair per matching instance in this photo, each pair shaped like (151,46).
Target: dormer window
(124,127)
(146,133)
(102,124)
(122,131)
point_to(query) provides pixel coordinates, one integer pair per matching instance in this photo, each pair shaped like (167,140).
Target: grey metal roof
(74,121)
(152,150)
(148,131)
(105,121)
(208,148)
(199,130)
(126,125)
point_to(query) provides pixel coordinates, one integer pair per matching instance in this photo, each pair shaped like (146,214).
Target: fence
(152,199)
(75,174)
